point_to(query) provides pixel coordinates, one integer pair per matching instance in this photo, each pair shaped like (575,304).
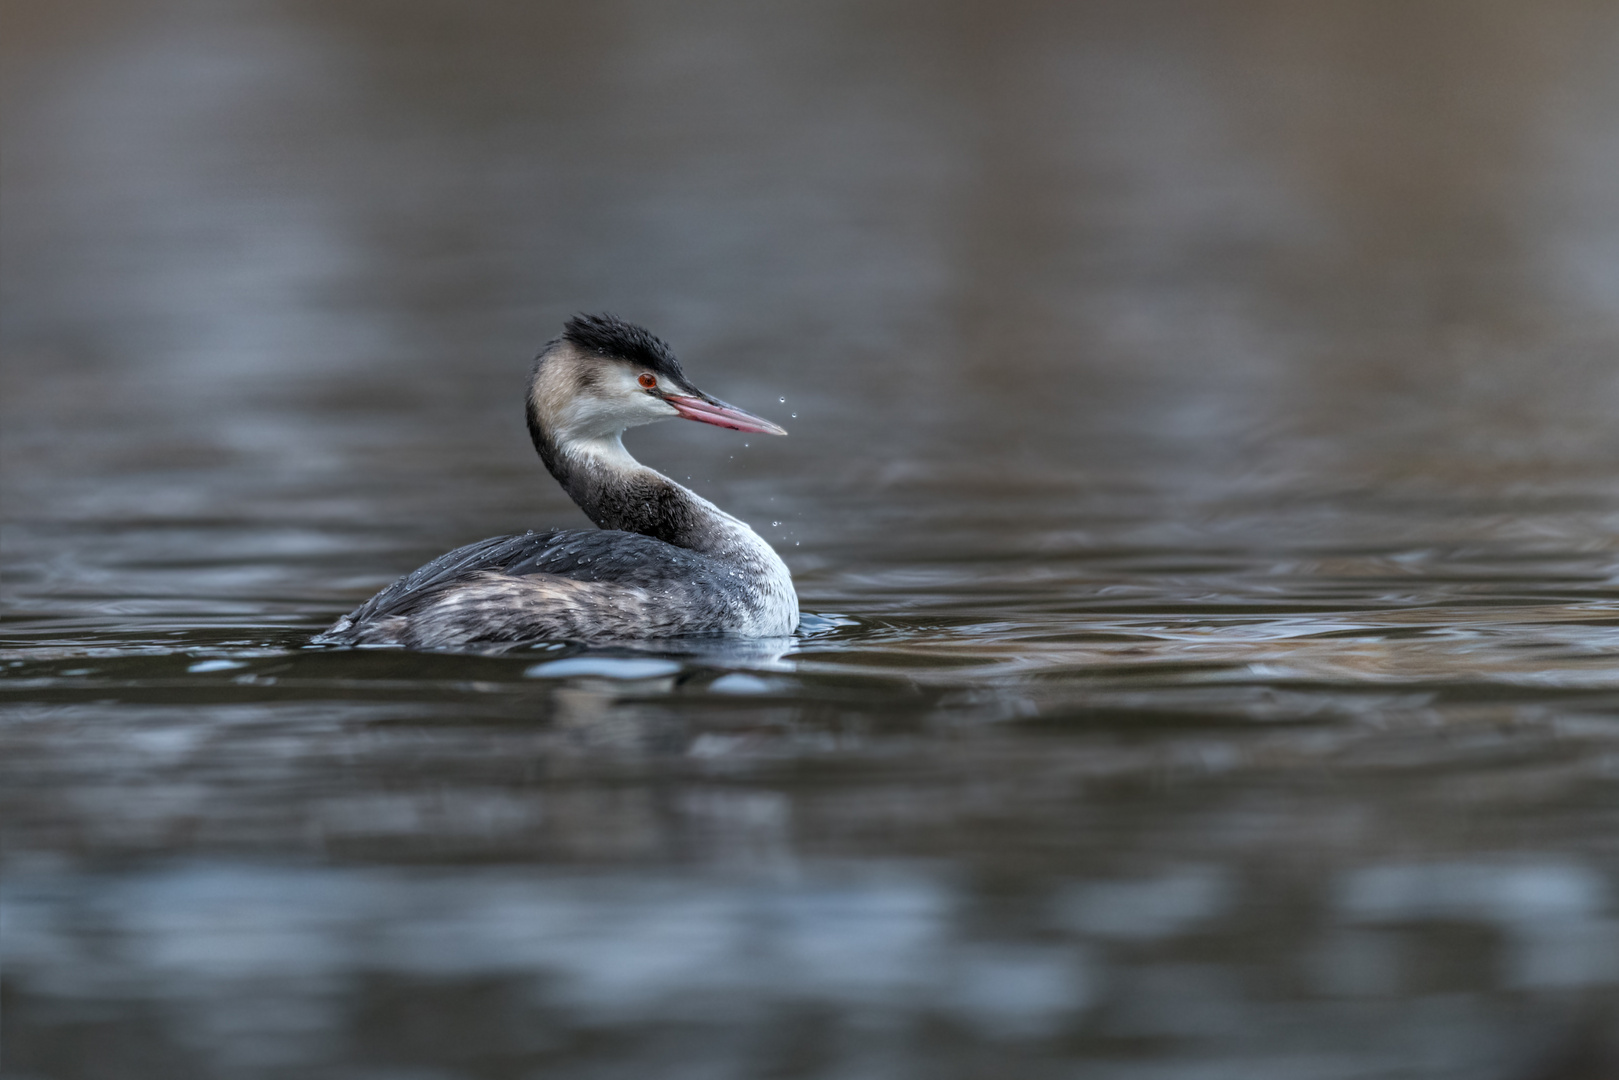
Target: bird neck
(617,492)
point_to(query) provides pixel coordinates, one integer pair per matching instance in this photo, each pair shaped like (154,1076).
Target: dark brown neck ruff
(616,492)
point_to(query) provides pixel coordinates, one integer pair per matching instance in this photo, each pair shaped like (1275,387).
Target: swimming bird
(663,562)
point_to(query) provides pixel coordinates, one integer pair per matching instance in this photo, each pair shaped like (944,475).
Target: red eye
(648,380)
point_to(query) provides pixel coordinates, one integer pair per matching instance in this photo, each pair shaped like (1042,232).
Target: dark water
(1204,472)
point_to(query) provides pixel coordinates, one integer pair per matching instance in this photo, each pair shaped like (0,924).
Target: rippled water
(1203,477)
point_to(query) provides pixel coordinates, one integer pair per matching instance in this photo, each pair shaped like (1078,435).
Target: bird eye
(648,380)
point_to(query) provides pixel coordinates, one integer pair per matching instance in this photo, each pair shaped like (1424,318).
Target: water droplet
(782,400)
(793,415)
(775,524)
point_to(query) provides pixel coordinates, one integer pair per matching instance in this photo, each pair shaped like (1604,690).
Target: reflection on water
(857,969)
(1202,475)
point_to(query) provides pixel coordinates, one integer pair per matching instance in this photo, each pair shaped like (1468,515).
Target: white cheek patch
(602,406)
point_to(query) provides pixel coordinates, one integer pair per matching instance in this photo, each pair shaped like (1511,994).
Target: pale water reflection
(292,968)
(1204,485)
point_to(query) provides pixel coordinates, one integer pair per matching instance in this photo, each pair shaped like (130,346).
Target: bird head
(604,375)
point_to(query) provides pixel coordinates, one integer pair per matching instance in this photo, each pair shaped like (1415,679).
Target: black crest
(608,335)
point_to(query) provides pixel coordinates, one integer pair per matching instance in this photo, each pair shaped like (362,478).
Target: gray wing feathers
(533,586)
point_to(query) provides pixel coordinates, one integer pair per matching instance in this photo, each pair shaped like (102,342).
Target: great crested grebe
(665,562)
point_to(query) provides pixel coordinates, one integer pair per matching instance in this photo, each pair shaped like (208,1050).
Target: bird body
(664,562)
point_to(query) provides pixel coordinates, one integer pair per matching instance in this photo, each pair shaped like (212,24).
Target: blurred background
(1204,481)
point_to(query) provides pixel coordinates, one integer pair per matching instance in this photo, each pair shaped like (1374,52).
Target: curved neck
(617,492)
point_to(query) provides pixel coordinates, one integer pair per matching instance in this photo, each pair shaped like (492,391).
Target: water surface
(1202,478)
